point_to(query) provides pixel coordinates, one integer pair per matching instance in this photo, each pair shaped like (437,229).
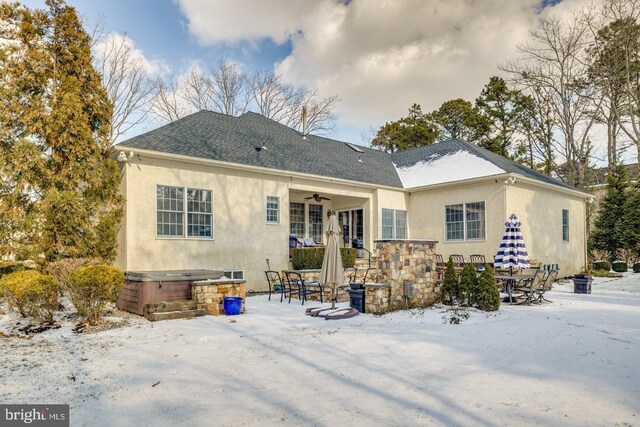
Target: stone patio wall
(209,294)
(406,260)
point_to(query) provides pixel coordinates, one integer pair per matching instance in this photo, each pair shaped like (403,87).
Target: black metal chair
(440,267)
(276,284)
(478,262)
(297,286)
(458,261)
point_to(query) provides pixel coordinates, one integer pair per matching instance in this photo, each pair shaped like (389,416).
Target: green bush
(468,280)
(619,266)
(62,268)
(602,265)
(311,258)
(10,267)
(34,294)
(449,284)
(91,288)
(487,297)
(636,267)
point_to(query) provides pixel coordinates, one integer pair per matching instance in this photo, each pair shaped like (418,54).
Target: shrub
(34,294)
(449,284)
(619,266)
(467,284)
(636,267)
(91,288)
(61,269)
(311,258)
(10,267)
(487,297)
(602,265)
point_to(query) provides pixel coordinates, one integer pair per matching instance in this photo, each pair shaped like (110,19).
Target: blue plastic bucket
(232,305)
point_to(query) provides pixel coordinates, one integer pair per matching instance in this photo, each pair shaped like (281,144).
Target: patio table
(511,282)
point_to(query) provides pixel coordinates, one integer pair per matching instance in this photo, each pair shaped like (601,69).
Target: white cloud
(115,44)
(213,21)
(379,56)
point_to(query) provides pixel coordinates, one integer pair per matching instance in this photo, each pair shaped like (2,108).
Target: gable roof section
(486,163)
(215,136)
(232,139)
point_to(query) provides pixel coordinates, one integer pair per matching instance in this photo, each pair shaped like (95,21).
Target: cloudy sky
(377,56)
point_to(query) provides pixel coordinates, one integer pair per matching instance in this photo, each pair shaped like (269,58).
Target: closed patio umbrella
(332,273)
(512,254)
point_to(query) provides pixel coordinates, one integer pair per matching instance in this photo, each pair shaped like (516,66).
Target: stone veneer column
(411,260)
(209,294)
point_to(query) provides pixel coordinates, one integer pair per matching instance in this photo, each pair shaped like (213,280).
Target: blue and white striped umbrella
(512,254)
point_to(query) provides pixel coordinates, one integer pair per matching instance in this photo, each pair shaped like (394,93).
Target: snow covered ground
(574,362)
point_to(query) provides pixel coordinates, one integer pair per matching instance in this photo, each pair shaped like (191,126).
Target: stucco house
(220,192)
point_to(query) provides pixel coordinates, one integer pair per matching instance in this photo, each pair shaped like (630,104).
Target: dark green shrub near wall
(619,266)
(636,267)
(10,267)
(602,265)
(311,258)
(348,257)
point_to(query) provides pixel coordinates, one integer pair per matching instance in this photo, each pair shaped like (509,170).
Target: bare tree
(618,47)
(273,98)
(284,103)
(167,102)
(126,79)
(554,65)
(229,88)
(226,89)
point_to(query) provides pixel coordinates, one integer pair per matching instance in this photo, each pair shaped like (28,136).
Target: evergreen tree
(59,189)
(609,232)
(487,296)
(631,222)
(415,130)
(468,282)
(457,118)
(504,111)
(449,284)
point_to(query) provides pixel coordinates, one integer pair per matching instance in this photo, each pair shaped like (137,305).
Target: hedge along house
(211,191)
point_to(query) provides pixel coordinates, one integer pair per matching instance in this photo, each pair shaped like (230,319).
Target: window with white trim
(234,274)
(315,222)
(465,221)
(565,225)
(296,218)
(394,224)
(176,213)
(273,210)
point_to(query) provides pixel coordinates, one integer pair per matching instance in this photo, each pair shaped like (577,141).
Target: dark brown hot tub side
(143,287)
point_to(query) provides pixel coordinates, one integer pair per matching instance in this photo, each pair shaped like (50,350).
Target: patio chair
(478,262)
(546,286)
(458,261)
(276,284)
(440,267)
(529,287)
(297,286)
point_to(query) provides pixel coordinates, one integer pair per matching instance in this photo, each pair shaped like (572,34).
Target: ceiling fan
(317,197)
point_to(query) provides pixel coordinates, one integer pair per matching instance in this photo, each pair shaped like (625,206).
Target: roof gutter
(238,166)
(503,176)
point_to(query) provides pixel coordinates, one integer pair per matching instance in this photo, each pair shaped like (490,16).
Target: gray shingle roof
(413,156)
(231,139)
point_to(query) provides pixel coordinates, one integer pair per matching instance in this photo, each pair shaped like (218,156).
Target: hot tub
(143,287)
